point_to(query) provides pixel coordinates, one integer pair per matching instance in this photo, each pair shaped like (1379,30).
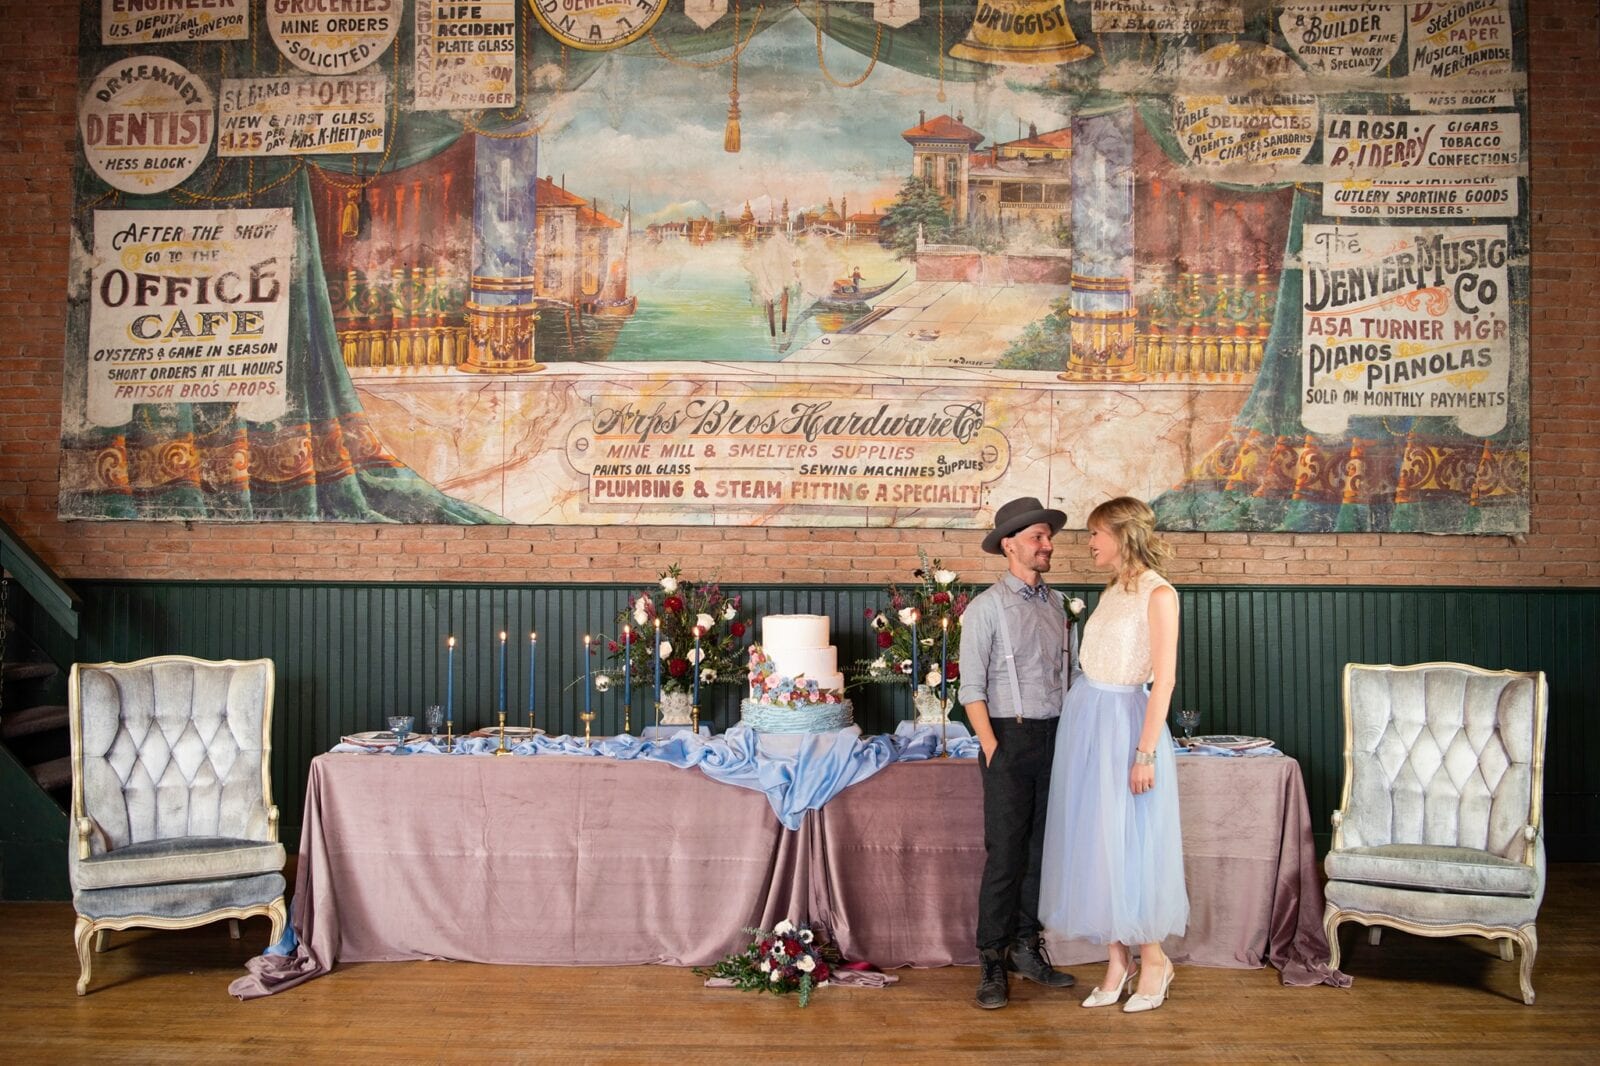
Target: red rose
(940,597)
(677,667)
(820,974)
(673,603)
(868,613)
(792,946)
(613,647)
(736,628)
(885,638)
(952,671)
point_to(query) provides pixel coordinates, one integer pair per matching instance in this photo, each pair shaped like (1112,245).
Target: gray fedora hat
(1017,515)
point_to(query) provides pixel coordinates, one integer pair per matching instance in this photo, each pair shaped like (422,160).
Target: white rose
(908,615)
(933,678)
(1076,606)
(877,665)
(705,622)
(806,964)
(639,617)
(696,655)
(766,966)
(776,976)
(785,926)
(602,683)
(730,612)
(669,584)
(708,675)
(666,648)
(944,577)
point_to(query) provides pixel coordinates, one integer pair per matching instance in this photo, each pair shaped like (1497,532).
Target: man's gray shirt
(1038,628)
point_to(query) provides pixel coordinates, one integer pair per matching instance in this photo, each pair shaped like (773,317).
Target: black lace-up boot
(992,990)
(1027,958)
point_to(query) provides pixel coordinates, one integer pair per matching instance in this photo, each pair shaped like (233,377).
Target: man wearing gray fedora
(1014,670)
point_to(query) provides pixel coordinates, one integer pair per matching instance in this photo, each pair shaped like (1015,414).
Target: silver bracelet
(1143,758)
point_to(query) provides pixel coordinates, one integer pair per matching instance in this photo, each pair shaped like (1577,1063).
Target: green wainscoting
(1255,659)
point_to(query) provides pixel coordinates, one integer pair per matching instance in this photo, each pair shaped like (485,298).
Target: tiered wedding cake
(795,683)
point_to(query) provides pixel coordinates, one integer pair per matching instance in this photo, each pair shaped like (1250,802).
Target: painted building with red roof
(941,152)
(580,253)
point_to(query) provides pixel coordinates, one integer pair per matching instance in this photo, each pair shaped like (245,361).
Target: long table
(555,860)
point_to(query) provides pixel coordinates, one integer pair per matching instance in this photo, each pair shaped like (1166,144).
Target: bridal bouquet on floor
(787,959)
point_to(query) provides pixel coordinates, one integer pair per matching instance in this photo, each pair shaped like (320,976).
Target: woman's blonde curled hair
(1133,524)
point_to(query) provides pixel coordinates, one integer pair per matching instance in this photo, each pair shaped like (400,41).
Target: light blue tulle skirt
(1113,861)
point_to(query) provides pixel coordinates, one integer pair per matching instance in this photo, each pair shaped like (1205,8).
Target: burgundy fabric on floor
(555,860)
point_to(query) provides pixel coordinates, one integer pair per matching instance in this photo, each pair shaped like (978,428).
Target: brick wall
(38,87)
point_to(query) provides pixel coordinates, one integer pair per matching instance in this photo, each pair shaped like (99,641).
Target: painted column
(1103,314)
(501,311)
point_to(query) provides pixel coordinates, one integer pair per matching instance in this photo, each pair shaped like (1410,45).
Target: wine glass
(400,726)
(1188,718)
(433,719)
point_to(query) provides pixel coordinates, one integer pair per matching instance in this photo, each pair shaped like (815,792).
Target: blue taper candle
(587,686)
(697,666)
(502,671)
(944,659)
(450,681)
(658,661)
(533,647)
(915,679)
(627,670)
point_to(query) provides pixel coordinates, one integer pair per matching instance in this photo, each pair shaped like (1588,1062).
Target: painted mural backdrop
(880,263)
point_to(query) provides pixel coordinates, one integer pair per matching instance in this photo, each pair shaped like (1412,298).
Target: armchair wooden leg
(1374,934)
(82,938)
(101,939)
(1330,929)
(1530,947)
(233,928)
(1508,949)
(278,912)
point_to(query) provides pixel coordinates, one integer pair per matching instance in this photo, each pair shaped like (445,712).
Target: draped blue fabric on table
(796,772)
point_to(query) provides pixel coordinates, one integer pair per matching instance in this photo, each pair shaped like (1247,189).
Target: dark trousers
(1016,790)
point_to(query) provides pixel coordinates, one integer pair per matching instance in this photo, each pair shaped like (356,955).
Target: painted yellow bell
(1021,32)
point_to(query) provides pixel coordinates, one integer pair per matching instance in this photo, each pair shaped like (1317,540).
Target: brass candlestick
(587,716)
(449,736)
(657,733)
(944,728)
(626,727)
(694,719)
(501,750)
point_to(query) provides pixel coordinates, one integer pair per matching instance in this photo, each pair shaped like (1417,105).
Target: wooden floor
(162,997)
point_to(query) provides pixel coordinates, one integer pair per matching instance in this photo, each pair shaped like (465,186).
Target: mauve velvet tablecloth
(899,857)
(559,860)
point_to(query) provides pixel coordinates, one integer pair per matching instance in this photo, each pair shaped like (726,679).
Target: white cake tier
(814,664)
(779,631)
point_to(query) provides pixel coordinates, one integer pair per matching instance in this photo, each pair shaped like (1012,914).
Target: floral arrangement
(918,613)
(766,682)
(681,606)
(787,959)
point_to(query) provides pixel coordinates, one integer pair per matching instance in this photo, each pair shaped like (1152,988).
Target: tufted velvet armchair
(1439,829)
(172,818)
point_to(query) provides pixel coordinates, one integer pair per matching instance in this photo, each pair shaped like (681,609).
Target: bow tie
(1036,592)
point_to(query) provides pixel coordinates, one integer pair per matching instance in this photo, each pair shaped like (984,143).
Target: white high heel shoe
(1106,997)
(1140,1001)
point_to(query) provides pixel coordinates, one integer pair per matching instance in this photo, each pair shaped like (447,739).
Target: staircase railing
(39,581)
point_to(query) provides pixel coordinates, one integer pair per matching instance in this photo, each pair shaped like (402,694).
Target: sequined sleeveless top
(1116,639)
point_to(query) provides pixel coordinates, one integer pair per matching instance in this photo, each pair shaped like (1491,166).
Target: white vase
(929,709)
(676,708)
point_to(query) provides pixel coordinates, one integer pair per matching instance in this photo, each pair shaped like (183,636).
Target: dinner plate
(378,738)
(513,732)
(1229,741)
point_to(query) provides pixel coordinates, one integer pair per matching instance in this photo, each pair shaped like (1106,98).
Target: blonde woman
(1113,852)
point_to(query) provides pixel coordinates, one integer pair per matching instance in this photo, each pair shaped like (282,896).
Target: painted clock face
(596,25)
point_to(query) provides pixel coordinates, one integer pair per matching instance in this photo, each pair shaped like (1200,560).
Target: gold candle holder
(587,716)
(694,719)
(449,736)
(944,728)
(657,733)
(502,750)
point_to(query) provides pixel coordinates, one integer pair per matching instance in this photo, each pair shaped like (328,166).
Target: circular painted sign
(1343,38)
(596,25)
(146,124)
(328,37)
(1253,116)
